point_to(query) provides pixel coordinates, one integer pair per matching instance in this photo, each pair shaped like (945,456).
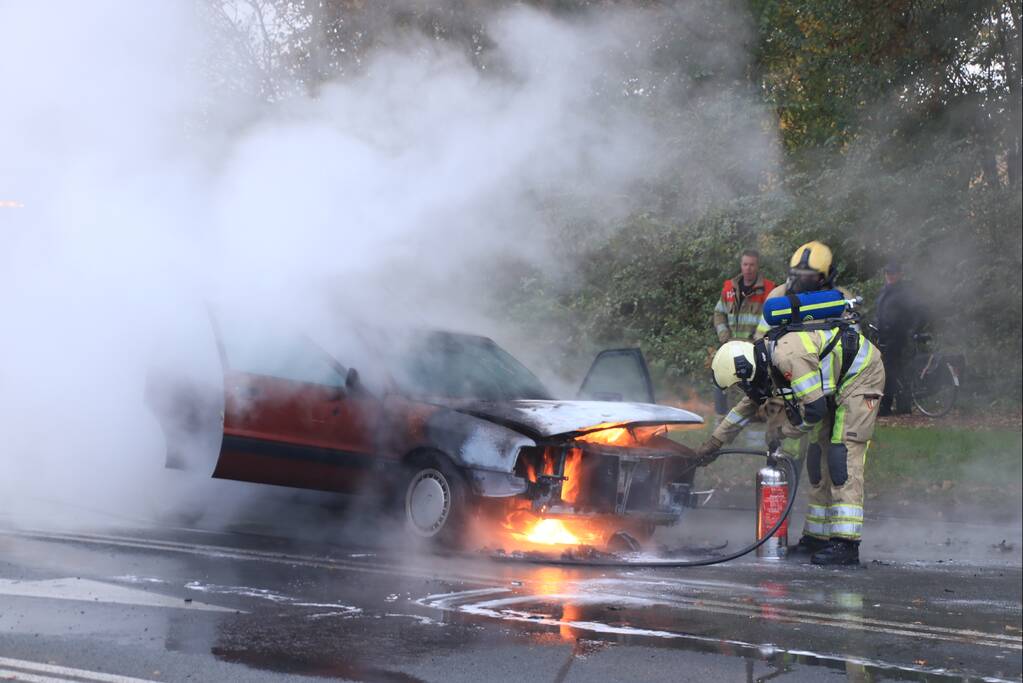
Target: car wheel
(435,501)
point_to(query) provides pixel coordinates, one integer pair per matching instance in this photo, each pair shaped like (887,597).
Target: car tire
(435,501)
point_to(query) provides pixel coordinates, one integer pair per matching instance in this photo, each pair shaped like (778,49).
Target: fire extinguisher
(772,497)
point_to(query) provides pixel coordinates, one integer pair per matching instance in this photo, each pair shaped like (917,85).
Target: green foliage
(901,126)
(901,123)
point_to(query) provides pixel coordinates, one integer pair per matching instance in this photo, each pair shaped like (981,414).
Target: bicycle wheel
(935,389)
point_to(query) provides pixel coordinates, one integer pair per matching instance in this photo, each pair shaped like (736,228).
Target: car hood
(552,418)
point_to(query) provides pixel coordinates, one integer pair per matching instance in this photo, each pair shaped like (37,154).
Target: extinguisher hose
(792,470)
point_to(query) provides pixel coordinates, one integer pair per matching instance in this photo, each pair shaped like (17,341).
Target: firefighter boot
(838,552)
(807,546)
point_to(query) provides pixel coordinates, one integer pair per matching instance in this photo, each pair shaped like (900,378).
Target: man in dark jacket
(899,316)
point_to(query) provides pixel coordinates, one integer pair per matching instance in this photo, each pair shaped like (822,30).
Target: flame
(548,461)
(573,475)
(613,436)
(551,532)
(530,471)
(609,435)
(547,467)
(525,529)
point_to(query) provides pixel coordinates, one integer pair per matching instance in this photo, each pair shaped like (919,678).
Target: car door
(618,375)
(290,416)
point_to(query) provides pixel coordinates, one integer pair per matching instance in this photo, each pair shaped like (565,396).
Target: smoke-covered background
(562,176)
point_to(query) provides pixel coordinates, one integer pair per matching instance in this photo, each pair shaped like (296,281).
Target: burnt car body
(460,426)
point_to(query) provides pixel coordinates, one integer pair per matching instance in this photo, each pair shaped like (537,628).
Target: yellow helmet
(733,362)
(812,257)
(811,269)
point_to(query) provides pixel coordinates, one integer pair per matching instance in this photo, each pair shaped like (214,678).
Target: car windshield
(462,366)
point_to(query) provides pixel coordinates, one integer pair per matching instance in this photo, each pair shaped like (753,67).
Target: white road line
(447,601)
(482,609)
(8,675)
(697,604)
(24,670)
(850,618)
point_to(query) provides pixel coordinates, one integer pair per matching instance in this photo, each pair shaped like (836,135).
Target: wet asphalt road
(175,604)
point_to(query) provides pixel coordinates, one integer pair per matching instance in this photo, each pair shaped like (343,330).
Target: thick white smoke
(148,189)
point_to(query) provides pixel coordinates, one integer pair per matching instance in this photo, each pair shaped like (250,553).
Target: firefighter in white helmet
(831,379)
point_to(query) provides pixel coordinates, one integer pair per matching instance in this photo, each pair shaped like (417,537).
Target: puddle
(307,666)
(578,614)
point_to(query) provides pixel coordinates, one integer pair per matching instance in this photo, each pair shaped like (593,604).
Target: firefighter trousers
(835,459)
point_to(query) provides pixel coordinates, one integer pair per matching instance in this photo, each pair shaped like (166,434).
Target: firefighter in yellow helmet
(831,379)
(811,269)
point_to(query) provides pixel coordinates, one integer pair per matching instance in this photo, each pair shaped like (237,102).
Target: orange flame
(573,474)
(530,472)
(614,436)
(526,529)
(551,532)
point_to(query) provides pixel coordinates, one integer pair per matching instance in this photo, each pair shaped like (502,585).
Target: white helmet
(733,362)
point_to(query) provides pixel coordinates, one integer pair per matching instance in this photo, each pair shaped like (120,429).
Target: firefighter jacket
(736,316)
(797,357)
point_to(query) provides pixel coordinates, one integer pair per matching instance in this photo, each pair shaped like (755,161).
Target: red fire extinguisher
(772,497)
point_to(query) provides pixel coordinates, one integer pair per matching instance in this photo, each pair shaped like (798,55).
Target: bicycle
(933,378)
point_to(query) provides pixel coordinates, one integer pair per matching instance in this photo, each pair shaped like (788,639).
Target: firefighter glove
(707,451)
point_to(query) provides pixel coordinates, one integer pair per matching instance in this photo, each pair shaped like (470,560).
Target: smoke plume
(155,173)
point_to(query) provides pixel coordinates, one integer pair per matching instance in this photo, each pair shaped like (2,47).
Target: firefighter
(737,311)
(811,269)
(831,379)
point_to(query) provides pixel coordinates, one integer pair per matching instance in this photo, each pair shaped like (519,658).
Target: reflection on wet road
(165,604)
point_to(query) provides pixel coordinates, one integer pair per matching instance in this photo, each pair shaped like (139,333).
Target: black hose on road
(793,479)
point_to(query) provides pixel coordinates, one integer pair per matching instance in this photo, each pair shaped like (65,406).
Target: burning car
(459,431)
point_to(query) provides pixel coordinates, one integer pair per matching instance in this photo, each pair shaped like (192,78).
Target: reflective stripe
(721,327)
(762,326)
(829,368)
(808,307)
(816,523)
(805,384)
(862,360)
(747,318)
(721,308)
(850,530)
(836,431)
(816,529)
(808,343)
(736,419)
(846,511)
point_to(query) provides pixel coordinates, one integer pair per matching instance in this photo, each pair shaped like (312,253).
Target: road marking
(87,590)
(37,672)
(850,622)
(1016,641)
(446,602)
(451,601)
